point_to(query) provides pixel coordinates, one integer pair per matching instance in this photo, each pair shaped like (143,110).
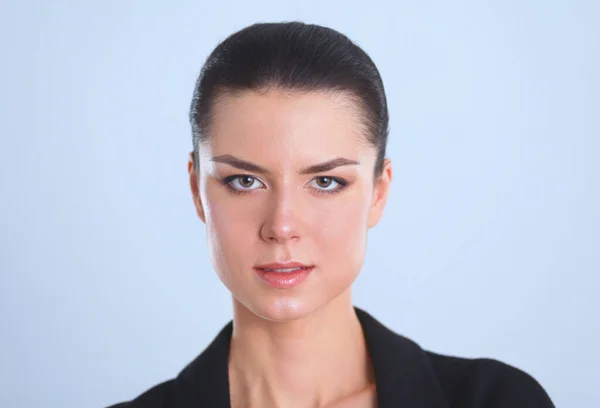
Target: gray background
(489,245)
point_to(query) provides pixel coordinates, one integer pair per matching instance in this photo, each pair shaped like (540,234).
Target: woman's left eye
(326,183)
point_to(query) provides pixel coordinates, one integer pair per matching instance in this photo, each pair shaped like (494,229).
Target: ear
(194,178)
(380,193)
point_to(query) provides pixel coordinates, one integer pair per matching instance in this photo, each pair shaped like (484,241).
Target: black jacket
(406,376)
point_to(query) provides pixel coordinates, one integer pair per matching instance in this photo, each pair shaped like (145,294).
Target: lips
(283,270)
(283,275)
(283,266)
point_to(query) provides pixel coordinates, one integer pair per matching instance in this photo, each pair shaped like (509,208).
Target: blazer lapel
(205,381)
(404,376)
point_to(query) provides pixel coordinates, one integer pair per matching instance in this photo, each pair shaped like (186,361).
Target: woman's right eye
(242,183)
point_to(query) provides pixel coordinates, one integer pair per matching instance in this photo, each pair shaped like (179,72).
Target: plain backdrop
(489,246)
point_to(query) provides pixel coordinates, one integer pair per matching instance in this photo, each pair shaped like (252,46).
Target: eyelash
(342,184)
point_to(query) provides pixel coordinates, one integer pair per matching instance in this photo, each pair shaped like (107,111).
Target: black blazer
(406,376)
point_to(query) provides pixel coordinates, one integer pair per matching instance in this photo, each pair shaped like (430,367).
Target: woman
(288,173)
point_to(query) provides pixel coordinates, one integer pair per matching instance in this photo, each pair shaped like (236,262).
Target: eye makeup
(229,182)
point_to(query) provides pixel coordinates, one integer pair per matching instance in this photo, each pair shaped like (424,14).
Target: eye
(243,183)
(326,183)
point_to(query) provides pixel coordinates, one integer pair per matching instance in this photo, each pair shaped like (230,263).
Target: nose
(281,223)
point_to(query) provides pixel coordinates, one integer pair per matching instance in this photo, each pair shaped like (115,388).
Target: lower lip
(284,280)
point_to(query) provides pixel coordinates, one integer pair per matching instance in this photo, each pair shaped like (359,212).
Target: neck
(314,361)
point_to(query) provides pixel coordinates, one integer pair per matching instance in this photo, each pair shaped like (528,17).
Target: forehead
(287,122)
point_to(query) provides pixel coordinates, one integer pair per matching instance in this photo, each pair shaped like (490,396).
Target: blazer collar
(404,376)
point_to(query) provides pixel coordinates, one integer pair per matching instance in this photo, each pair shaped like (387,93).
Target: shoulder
(155,397)
(409,375)
(485,382)
(202,382)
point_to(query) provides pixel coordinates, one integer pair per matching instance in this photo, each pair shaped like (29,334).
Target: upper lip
(283,265)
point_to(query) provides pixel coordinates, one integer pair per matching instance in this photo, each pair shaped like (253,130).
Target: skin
(301,346)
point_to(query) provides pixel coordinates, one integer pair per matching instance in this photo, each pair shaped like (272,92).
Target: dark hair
(292,56)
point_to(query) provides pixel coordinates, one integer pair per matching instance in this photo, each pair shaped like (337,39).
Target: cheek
(228,217)
(231,223)
(341,231)
(338,223)
(230,228)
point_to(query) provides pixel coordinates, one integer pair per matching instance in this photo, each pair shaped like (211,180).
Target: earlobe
(194,186)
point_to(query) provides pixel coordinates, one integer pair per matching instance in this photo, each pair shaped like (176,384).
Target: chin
(287,305)
(281,309)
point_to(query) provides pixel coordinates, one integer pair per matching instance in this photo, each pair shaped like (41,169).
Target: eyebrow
(255,168)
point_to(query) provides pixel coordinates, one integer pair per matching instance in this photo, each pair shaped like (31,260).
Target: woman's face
(262,203)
